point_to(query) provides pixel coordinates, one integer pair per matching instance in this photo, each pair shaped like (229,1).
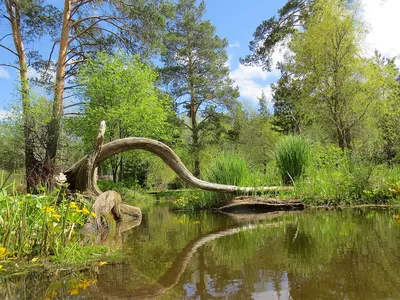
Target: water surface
(315,254)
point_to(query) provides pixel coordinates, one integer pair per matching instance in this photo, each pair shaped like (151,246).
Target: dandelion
(93,214)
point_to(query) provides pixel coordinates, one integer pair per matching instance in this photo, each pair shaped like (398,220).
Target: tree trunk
(54,126)
(31,164)
(80,176)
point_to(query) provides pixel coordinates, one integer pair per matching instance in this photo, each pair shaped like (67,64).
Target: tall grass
(229,168)
(292,156)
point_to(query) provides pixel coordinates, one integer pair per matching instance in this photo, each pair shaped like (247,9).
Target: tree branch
(11,66)
(13,52)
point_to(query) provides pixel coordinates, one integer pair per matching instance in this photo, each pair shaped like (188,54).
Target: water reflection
(350,254)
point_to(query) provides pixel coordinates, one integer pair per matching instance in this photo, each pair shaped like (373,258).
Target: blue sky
(237,20)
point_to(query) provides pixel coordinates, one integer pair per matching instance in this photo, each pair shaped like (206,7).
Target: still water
(314,254)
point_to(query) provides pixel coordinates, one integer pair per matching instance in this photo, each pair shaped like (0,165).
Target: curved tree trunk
(82,175)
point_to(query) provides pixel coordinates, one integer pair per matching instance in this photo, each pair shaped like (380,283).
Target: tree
(120,90)
(133,24)
(79,34)
(263,107)
(286,94)
(29,20)
(339,87)
(196,73)
(270,33)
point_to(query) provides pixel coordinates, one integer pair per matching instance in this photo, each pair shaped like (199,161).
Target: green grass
(340,178)
(45,226)
(292,156)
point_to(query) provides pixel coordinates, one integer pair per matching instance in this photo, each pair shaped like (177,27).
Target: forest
(330,135)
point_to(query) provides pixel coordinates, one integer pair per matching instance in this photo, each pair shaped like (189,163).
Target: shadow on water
(349,254)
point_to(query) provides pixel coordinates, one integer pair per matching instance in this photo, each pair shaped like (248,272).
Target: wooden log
(248,204)
(81,176)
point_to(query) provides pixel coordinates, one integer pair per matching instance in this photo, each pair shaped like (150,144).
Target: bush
(292,156)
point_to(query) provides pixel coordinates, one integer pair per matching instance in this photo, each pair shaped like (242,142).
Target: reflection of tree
(349,254)
(172,276)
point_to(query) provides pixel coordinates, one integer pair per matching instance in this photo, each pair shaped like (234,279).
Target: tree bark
(32,168)
(54,126)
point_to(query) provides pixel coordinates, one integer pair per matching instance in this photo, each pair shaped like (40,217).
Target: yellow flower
(28,195)
(3,252)
(74,292)
(73,205)
(48,209)
(57,217)
(396,216)
(102,263)
(93,214)
(35,259)
(85,211)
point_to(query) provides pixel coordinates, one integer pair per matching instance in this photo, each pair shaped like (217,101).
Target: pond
(325,254)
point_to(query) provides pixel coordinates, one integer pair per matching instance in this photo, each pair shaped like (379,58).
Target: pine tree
(196,73)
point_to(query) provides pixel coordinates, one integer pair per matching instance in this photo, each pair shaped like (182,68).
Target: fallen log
(82,175)
(246,204)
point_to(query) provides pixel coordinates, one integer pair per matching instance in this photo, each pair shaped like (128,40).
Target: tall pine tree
(196,73)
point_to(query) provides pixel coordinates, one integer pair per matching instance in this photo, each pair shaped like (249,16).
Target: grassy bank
(43,229)
(324,175)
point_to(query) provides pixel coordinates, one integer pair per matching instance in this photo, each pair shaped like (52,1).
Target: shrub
(292,156)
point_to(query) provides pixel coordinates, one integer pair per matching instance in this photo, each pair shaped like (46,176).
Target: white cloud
(234,45)
(3,114)
(253,80)
(4,73)
(32,73)
(382,19)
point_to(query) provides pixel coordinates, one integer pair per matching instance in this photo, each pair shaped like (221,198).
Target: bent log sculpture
(82,175)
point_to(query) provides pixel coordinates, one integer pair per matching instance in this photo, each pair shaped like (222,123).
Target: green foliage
(339,177)
(272,32)
(121,90)
(40,225)
(339,98)
(228,168)
(292,156)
